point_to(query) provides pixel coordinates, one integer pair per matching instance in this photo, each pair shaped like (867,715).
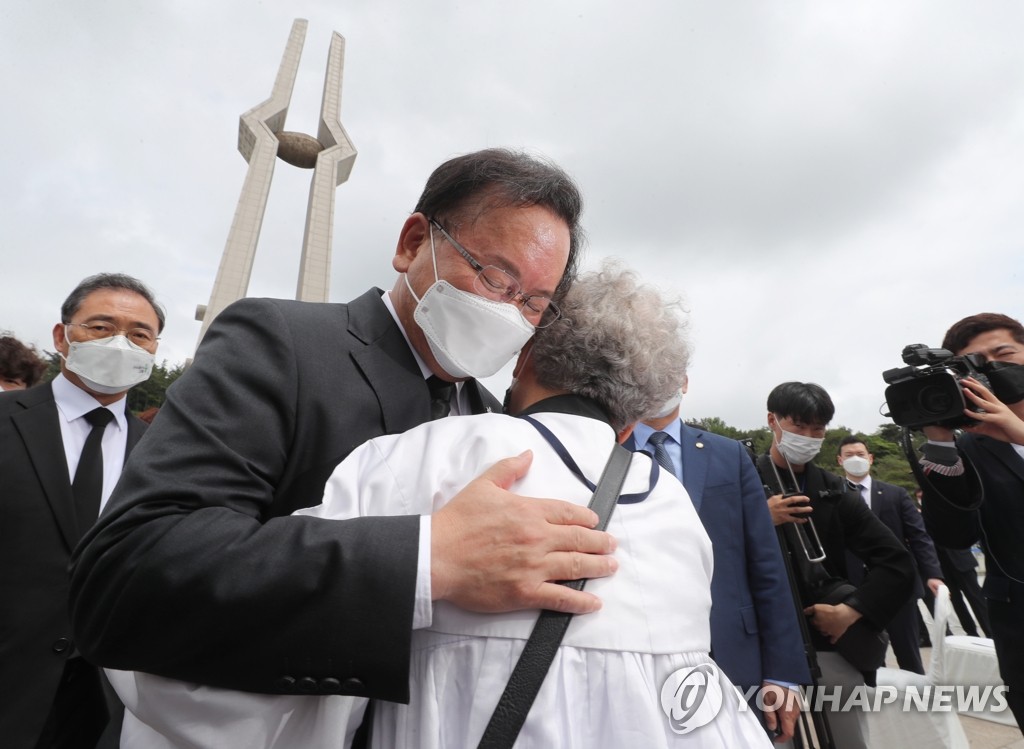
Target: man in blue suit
(754,630)
(894,507)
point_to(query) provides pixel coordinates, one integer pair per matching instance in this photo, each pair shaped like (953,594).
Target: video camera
(929,391)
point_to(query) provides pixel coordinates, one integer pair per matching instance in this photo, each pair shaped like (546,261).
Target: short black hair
(962,332)
(498,177)
(851,439)
(108,281)
(805,401)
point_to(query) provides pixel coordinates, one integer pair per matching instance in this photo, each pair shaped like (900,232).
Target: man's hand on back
(492,550)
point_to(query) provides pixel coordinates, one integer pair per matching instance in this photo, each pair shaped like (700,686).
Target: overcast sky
(823,182)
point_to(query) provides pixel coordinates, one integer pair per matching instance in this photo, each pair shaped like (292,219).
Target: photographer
(809,503)
(974,484)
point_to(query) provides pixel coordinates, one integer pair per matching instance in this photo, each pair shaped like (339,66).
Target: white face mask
(856,465)
(796,448)
(470,336)
(109,365)
(670,405)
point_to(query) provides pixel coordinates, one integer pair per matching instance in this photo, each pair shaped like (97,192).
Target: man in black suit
(197,572)
(807,498)
(50,696)
(973,489)
(894,507)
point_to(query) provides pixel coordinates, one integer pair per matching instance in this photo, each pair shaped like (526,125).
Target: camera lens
(934,400)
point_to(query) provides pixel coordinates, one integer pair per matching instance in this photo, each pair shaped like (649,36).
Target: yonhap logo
(691,697)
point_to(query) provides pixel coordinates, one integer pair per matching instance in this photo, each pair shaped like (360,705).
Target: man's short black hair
(958,336)
(463,187)
(802,401)
(851,439)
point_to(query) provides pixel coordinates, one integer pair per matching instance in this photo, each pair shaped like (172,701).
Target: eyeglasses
(501,286)
(95,330)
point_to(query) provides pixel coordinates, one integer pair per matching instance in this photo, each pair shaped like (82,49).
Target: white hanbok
(634,674)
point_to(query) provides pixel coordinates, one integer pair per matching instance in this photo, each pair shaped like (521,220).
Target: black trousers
(904,636)
(964,584)
(1007,618)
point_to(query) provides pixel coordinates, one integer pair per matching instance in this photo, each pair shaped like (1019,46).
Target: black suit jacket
(894,507)
(38,531)
(196,573)
(845,524)
(985,504)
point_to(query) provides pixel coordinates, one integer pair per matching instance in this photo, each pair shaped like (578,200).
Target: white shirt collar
(642,433)
(74,403)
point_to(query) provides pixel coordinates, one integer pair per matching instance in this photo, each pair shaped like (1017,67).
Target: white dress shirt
(73,404)
(865,491)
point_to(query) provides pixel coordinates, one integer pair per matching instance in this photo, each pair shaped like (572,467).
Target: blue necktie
(660,453)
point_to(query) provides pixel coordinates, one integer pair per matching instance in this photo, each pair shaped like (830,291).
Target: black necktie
(440,397)
(660,453)
(87,487)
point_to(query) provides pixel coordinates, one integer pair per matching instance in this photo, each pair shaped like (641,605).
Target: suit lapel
(391,369)
(39,428)
(388,364)
(695,465)
(1004,452)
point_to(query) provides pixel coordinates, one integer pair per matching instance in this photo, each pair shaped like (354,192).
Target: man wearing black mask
(974,484)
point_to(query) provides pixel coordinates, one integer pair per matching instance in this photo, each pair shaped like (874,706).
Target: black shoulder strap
(535,660)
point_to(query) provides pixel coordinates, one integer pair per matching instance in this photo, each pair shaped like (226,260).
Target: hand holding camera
(789,508)
(993,417)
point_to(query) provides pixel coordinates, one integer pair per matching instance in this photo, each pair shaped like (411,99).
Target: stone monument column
(262,139)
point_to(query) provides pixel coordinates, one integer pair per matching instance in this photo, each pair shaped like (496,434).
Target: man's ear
(59,342)
(624,434)
(415,232)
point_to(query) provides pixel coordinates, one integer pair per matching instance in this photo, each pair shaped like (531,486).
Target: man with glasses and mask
(64,443)
(197,572)
(826,517)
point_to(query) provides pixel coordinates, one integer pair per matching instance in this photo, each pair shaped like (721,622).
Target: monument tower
(261,139)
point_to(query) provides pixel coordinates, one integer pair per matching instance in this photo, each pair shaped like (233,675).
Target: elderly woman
(637,672)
